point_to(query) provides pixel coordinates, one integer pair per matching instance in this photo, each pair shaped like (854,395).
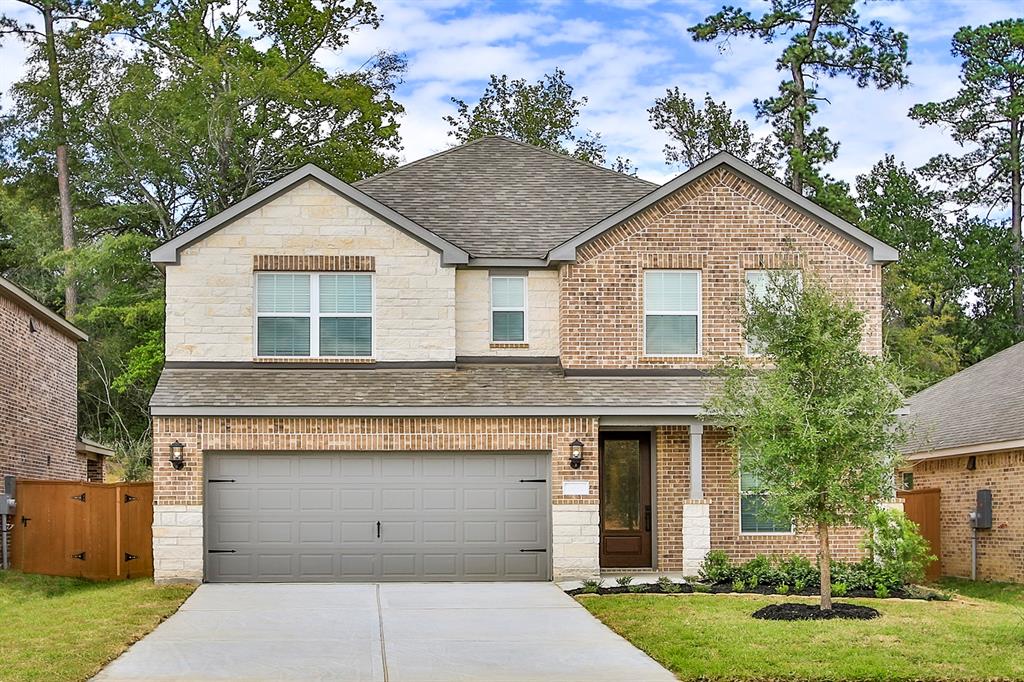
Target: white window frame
(746,290)
(699,312)
(739,512)
(504,309)
(314,316)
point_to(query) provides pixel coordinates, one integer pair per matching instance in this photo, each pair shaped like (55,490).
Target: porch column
(696,461)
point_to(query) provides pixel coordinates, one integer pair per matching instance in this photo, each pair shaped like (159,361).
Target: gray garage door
(377,516)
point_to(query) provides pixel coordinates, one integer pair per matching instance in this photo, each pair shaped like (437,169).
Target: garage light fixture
(576,454)
(177,454)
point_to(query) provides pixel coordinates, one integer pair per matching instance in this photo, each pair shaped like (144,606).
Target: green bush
(668,586)
(716,568)
(739,586)
(782,589)
(757,571)
(636,589)
(896,545)
(863,575)
(799,586)
(701,588)
(624,581)
(591,586)
(839,589)
(795,570)
(881,591)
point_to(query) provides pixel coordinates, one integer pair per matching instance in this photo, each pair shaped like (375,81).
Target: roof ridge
(417,161)
(971,370)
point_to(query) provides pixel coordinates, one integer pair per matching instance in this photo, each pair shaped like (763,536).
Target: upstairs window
(755,516)
(757,282)
(672,312)
(314,315)
(508,309)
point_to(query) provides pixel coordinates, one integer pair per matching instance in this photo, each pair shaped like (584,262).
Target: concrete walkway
(393,632)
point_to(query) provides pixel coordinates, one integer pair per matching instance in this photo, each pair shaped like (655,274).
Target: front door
(625,472)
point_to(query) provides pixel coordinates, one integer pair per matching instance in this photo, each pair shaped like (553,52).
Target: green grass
(700,636)
(1004,593)
(66,629)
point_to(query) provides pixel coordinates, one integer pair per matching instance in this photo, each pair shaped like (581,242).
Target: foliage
(839,589)
(545,114)
(782,588)
(817,427)
(862,575)
(894,542)
(823,39)
(669,586)
(986,118)
(638,588)
(624,580)
(716,567)
(796,570)
(739,586)
(698,134)
(881,591)
(591,586)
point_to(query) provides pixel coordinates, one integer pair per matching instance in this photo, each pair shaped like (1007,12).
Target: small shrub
(797,569)
(591,586)
(839,589)
(799,586)
(668,586)
(757,571)
(881,591)
(701,588)
(636,589)
(753,582)
(716,568)
(895,543)
(739,586)
(782,589)
(624,581)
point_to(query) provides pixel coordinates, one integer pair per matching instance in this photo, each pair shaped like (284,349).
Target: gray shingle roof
(982,404)
(495,197)
(497,390)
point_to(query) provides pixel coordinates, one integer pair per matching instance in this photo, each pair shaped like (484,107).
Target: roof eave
(22,298)
(169,252)
(880,251)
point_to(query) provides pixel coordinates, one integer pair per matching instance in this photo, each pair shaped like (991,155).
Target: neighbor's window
(754,514)
(672,312)
(757,287)
(508,309)
(908,480)
(314,315)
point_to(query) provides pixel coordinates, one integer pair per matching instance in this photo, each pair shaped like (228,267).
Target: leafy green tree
(817,427)
(986,117)
(545,114)
(699,133)
(921,292)
(824,38)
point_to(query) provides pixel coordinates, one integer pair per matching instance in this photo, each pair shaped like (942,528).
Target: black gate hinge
(128,498)
(24,521)
(129,557)
(80,556)
(80,498)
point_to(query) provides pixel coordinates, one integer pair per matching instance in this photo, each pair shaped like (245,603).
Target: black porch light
(177,454)
(576,454)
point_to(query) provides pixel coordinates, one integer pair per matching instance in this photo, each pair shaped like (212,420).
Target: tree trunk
(796,181)
(1015,225)
(60,137)
(825,564)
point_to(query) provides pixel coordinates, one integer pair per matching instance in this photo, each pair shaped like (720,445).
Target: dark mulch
(791,611)
(634,589)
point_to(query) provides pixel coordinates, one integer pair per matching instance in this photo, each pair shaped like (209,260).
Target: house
(967,435)
(486,364)
(39,394)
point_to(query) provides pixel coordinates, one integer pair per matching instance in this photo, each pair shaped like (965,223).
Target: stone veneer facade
(1000,549)
(38,397)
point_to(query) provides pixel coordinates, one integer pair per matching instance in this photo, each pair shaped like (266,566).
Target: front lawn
(701,636)
(67,629)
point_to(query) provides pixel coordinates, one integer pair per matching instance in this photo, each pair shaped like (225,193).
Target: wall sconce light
(575,454)
(177,455)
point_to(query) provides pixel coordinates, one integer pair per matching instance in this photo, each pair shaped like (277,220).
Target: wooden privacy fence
(102,531)
(922,507)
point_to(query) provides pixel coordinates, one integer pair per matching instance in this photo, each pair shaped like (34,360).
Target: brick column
(696,534)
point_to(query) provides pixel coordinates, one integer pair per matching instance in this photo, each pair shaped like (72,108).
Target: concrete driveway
(393,632)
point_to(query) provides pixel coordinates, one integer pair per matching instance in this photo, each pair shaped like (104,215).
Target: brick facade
(720,225)
(1001,549)
(38,397)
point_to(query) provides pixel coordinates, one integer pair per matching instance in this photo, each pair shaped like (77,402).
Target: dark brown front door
(625,470)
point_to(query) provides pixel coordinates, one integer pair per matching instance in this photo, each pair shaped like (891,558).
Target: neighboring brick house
(966,435)
(390,380)
(39,394)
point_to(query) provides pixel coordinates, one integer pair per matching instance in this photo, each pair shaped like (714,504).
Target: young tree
(698,134)
(824,38)
(545,114)
(817,427)
(987,117)
(921,292)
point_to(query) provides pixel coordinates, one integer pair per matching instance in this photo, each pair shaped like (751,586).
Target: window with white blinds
(314,315)
(672,312)
(508,309)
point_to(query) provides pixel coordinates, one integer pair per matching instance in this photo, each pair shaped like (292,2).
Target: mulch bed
(791,611)
(639,588)
(726,588)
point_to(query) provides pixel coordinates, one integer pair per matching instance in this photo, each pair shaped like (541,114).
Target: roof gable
(880,252)
(499,198)
(169,252)
(23,299)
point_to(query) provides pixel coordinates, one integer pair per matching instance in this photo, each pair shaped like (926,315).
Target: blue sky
(622,54)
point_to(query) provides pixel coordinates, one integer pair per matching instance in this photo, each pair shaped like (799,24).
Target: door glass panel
(620,485)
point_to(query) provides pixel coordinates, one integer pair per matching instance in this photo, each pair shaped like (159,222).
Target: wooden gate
(922,507)
(102,531)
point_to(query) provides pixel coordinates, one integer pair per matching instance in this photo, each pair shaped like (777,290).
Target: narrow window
(908,480)
(508,309)
(282,314)
(304,315)
(754,514)
(672,312)
(757,282)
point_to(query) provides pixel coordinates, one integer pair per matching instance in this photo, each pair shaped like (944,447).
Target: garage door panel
(313,517)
